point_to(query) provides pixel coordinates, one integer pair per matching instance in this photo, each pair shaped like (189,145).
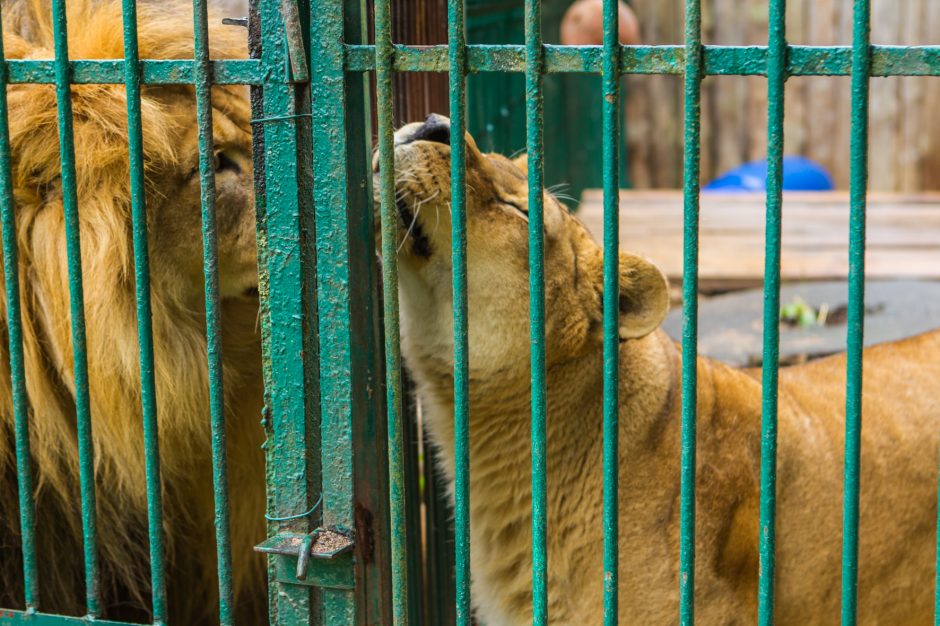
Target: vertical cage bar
(86,463)
(256,95)
(457,55)
(291,419)
(144,313)
(210,260)
(691,188)
(24,474)
(776,79)
(344,256)
(534,66)
(610,71)
(384,58)
(936,597)
(855,325)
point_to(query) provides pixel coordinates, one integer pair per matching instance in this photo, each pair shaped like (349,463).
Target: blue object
(799,174)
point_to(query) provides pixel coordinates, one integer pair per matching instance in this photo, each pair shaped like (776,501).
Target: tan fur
(900,436)
(170,145)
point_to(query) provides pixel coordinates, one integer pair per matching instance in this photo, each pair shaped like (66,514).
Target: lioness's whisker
(414,218)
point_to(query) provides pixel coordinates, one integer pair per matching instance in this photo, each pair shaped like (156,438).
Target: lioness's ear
(644,297)
(522,162)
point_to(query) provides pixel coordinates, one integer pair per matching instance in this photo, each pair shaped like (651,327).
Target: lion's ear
(644,297)
(522,162)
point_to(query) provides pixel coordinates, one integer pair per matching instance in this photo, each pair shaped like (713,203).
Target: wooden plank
(903,234)
(928,120)
(913,143)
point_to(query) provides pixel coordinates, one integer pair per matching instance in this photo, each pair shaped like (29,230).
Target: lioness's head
(498,263)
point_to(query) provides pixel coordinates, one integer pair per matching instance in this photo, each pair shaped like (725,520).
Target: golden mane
(100,128)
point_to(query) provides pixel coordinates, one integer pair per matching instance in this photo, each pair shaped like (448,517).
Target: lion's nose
(435,128)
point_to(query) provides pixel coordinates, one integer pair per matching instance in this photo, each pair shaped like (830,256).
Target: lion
(899,439)
(180,368)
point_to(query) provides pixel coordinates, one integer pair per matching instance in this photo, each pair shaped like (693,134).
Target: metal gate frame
(302,404)
(321,344)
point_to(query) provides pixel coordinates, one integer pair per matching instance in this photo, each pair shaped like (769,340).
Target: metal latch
(317,552)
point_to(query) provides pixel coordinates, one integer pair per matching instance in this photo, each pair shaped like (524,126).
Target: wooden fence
(905,130)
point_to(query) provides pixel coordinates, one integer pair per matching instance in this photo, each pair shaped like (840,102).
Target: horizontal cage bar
(719,60)
(153,72)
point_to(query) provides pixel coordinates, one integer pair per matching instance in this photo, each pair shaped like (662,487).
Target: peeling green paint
(776,80)
(148,395)
(86,461)
(718,60)
(694,67)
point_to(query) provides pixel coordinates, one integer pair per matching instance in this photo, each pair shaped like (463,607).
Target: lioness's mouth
(419,241)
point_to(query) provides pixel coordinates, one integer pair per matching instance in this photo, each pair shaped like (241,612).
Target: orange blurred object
(583,24)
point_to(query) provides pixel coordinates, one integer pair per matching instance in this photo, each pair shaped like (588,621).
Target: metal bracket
(323,557)
(295,41)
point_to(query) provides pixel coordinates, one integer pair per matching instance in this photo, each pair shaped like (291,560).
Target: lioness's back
(900,419)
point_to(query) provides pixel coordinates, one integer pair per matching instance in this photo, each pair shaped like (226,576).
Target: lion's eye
(515,207)
(224,163)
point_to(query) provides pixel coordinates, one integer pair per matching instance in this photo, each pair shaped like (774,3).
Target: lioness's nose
(435,128)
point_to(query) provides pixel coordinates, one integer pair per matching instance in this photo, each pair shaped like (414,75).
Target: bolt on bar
(693,124)
(76,307)
(534,61)
(855,327)
(144,311)
(776,78)
(384,53)
(610,89)
(24,473)
(210,257)
(457,56)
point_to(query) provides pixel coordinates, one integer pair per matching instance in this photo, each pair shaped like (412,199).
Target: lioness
(180,370)
(899,449)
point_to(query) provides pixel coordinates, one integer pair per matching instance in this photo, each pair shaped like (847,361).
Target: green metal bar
(256,96)
(153,72)
(534,61)
(611,167)
(692,158)
(776,78)
(289,476)
(28,618)
(457,57)
(855,325)
(24,474)
(718,60)
(936,584)
(86,465)
(210,259)
(343,265)
(148,396)
(389,217)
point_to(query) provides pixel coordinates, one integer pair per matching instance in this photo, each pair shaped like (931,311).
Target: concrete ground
(731,325)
